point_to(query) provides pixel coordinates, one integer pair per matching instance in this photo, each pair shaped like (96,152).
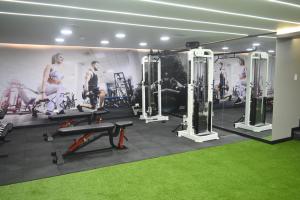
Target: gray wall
(286,113)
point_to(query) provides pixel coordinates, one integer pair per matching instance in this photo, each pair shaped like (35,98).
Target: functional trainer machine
(151,100)
(256,94)
(198,121)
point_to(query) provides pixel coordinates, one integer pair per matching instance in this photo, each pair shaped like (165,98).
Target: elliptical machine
(256,94)
(198,121)
(151,81)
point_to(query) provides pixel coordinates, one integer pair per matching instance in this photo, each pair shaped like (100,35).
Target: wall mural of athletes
(230,79)
(58,76)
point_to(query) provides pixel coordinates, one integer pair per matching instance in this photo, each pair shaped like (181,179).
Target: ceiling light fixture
(249,49)
(104,42)
(143,44)
(59,40)
(271,51)
(164,38)
(136,14)
(66,32)
(256,44)
(225,48)
(120,35)
(288,30)
(122,23)
(269,37)
(218,11)
(285,3)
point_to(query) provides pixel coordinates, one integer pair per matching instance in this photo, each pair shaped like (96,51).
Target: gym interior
(149,99)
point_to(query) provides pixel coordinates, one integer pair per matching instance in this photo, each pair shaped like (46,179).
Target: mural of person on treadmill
(91,89)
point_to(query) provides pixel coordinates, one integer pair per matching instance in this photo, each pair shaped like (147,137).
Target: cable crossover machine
(198,121)
(151,89)
(256,94)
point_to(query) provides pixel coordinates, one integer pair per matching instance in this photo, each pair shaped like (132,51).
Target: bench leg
(122,137)
(98,119)
(67,123)
(78,143)
(49,137)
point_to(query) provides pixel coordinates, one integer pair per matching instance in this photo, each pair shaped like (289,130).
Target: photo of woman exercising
(91,88)
(52,87)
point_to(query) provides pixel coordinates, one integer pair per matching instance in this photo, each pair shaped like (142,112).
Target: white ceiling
(41,30)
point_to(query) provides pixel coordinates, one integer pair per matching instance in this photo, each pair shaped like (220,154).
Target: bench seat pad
(88,128)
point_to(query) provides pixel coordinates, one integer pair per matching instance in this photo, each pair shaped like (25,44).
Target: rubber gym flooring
(245,170)
(225,118)
(29,155)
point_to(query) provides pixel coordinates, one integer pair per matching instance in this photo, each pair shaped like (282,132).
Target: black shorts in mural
(93,95)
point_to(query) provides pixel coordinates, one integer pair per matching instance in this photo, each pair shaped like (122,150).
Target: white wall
(286,111)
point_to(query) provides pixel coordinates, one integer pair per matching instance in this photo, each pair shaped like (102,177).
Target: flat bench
(92,133)
(73,119)
(71,116)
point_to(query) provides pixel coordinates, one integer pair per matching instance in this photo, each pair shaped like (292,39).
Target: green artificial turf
(246,170)
(268,138)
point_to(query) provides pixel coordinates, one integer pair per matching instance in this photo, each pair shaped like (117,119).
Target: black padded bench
(71,116)
(92,133)
(67,120)
(73,119)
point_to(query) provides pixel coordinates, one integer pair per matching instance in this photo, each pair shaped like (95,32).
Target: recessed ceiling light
(120,35)
(285,3)
(66,32)
(143,44)
(138,15)
(256,44)
(164,38)
(104,42)
(59,40)
(123,23)
(249,49)
(225,48)
(271,51)
(218,11)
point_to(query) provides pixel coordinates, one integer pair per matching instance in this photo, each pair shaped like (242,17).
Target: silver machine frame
(147,114)
(247,124)
(191,132)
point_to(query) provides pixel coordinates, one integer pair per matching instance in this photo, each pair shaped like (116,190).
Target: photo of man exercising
(91,89)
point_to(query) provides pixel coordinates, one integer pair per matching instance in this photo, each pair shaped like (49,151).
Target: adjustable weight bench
(91,133)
